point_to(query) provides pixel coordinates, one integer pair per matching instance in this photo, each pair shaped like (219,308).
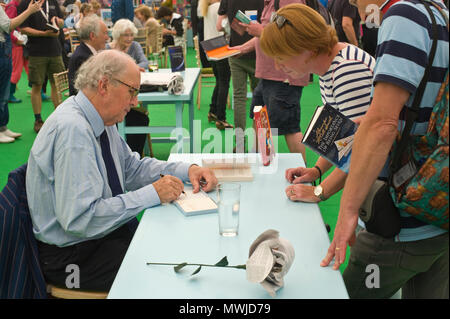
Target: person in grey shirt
(84,185)
(123,34)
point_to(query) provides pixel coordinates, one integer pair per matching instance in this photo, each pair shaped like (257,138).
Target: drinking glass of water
(228,200)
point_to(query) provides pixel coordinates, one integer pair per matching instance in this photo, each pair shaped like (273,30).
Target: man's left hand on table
(204,177)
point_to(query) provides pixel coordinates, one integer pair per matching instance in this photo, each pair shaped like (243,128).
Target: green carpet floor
(22,120)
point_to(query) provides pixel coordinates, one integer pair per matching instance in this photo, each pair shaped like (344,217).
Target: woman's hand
(301,193)
(301,175)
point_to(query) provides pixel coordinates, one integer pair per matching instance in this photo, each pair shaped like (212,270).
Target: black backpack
(316,5)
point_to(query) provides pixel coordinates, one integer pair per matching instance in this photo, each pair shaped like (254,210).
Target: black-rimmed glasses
(133,91)
(279,20)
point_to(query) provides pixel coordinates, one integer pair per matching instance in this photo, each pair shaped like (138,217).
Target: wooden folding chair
(61,84)
(142,39)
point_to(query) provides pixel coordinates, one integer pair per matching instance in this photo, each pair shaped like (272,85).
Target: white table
(165,235)
(187,97)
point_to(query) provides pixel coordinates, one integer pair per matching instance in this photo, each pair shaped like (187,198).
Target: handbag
(378,211)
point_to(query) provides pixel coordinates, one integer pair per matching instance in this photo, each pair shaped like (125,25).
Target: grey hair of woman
(121,27)
(89,24)
(108,63)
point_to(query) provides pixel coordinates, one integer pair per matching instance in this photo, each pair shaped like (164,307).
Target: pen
(162,175)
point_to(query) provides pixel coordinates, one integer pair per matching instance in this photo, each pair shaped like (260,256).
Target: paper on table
(270,258)
(197,203)
(174,81)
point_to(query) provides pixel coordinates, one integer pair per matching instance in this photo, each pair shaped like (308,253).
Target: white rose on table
(270,258)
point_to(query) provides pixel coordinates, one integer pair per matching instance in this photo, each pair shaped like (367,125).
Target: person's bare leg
(295,145)
(36,99)
(54,93)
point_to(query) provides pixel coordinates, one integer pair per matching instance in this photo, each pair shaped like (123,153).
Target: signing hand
(168,188)
(301,193)
(301,175)
(204,177)
(344,235)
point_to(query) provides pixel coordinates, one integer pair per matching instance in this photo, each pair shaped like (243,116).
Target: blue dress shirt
(67,184)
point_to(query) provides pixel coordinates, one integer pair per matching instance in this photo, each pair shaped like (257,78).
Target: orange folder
(217,48)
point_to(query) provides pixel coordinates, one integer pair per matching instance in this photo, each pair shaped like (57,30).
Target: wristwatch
(318,191)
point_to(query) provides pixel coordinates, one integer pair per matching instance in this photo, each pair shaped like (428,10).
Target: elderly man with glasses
(85,186)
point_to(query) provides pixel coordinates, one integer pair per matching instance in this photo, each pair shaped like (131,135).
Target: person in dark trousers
(242,67)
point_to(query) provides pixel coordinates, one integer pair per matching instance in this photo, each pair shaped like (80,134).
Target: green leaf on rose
(196,271)
(178,267)
(223,262)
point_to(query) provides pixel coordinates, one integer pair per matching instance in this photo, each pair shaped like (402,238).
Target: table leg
(191,124)
(179,125)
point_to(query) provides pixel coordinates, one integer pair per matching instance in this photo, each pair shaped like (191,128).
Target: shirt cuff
(148,196)
(182,171)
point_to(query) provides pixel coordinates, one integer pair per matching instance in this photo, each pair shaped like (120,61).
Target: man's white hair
(108,63)
(121,26)
(89,24)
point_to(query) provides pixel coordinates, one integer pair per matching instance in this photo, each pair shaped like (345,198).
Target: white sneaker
(12,134)
(5,139)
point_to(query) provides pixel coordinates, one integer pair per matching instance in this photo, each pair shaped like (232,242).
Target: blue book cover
(176,58)
(330,134)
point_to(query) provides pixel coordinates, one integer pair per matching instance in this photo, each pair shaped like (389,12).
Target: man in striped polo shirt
(417,259)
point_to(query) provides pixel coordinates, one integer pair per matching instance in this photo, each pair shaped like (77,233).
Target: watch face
(318,190)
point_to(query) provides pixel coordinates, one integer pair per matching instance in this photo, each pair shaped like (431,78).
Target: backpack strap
(277,5)
(413,112)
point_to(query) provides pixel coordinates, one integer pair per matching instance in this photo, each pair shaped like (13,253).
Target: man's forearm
(32,32)
(249,46)
(373,141)
(347,26)
(219,22)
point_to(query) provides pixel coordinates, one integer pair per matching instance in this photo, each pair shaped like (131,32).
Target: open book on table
(191,204)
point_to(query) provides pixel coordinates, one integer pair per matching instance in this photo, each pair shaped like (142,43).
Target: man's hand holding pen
(168,188)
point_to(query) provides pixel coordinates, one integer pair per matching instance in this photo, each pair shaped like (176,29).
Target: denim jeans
(5,78)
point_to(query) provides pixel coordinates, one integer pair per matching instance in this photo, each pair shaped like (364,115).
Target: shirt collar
(94,52)
(92,116)
(386,5)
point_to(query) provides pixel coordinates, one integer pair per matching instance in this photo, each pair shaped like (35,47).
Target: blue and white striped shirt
(347,84)
(404,43)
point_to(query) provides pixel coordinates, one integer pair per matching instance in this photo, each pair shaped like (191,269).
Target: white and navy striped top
(347,84)
(404,43)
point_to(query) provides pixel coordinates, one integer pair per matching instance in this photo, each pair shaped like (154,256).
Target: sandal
(221,125)
(212,117)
